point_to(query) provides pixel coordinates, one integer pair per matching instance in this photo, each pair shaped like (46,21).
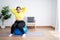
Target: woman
(19,23)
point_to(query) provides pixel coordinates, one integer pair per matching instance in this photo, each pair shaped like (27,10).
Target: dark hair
(18,7)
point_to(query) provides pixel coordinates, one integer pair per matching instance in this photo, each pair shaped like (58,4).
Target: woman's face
(18,10)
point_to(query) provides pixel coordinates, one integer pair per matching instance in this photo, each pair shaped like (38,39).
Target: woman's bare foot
(10,35)
(24,35)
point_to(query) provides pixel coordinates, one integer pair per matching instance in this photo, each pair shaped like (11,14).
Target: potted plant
(4,15)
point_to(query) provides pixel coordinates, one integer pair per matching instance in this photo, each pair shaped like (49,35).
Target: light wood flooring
(38,34)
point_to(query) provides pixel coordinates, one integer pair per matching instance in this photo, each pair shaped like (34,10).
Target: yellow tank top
(18,15)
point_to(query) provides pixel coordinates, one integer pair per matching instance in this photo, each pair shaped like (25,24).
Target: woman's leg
(21,26)
(12,29)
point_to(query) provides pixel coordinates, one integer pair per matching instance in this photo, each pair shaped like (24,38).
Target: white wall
(58,11)
(43,10)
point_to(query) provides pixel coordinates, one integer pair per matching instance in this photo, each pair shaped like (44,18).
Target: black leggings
(18,24)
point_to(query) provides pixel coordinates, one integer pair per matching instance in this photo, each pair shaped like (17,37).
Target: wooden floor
(38,34)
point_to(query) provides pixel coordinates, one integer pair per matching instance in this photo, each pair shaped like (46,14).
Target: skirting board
(36,27)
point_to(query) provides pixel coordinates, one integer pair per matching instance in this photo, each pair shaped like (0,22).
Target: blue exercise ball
(18,32)
(25,29)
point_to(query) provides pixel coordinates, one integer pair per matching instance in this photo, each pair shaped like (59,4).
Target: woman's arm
(23,9)
(13,10)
